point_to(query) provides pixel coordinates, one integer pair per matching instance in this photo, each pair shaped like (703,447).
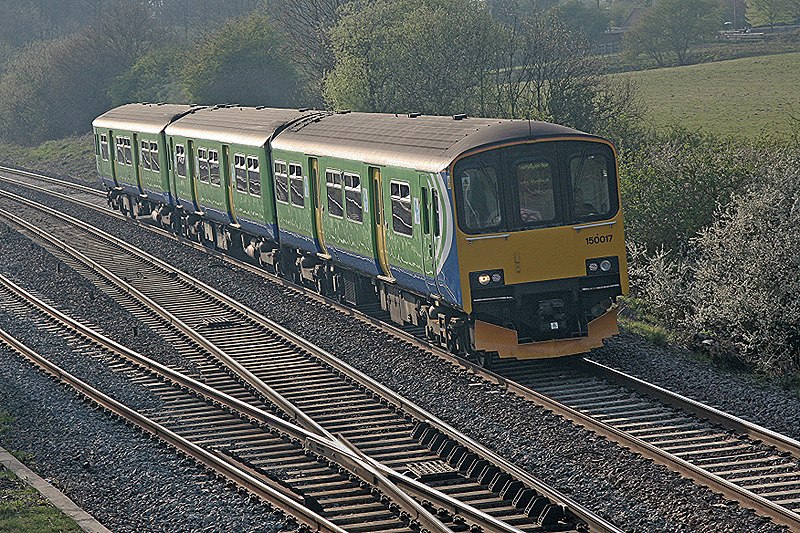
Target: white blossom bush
(747,278)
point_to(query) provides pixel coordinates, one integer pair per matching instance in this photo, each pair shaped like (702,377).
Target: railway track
(232,347)
(747,463)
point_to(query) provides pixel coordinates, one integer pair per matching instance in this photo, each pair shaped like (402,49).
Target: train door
(137,161)
(428,251)
(228,173)
(172,171)
(316,194)
(379,220)
(191,160)
(112,156)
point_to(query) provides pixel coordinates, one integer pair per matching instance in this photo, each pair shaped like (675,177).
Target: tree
(410,55)
(672,27)
(243,62)
(308,25)
(56,88)
(588,19)
(772,12)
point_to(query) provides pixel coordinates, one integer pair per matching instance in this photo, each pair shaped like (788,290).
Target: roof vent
(460,116)
(343,112)
(161,103)
(261,107)
(304,109)
(415,114)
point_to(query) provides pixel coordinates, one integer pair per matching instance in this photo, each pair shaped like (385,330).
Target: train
(498,238)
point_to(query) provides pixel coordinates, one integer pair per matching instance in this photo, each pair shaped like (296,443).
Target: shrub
(747,282)
(672,184)
(661,287)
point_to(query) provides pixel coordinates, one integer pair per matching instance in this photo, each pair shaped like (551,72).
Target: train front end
(540,244)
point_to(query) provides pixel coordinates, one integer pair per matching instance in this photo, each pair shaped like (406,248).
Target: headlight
(487,278)
(602,265)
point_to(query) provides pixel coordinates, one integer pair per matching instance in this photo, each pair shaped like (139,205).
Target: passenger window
(536,199)
(144,155)
(435,197)
(401,208)
(240,172)
(120,149)
(104,147)
(296,184)
(353,198)
(333,182)
(254,176)
(213,167)
(180,160)
(202,165)
(281,183)
(154,164)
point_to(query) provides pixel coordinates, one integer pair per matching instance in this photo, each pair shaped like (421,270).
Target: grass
(738,97)
(23,509)
(72,155)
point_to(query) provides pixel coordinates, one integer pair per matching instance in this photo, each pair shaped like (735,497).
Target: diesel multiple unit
(494,235)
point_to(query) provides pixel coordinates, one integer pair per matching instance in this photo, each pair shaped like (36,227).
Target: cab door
(379,221)
(316,194)
(428,251)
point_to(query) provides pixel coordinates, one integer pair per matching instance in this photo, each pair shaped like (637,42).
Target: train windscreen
(535,185)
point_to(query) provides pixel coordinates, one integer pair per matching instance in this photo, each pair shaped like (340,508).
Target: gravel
(620,485)
(124,479)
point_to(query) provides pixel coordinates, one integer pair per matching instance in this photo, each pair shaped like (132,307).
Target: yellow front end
(547,293)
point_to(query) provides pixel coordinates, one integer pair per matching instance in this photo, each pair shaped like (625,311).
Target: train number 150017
(599,239)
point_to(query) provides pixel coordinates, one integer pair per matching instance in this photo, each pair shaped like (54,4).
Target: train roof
(250,126)
(144,118)
(422,142)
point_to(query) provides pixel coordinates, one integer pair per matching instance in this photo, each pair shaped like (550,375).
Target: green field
(737,97)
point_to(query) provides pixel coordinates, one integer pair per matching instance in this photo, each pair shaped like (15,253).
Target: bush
(672,184)
(660,287)
(747,282)
(242,63)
